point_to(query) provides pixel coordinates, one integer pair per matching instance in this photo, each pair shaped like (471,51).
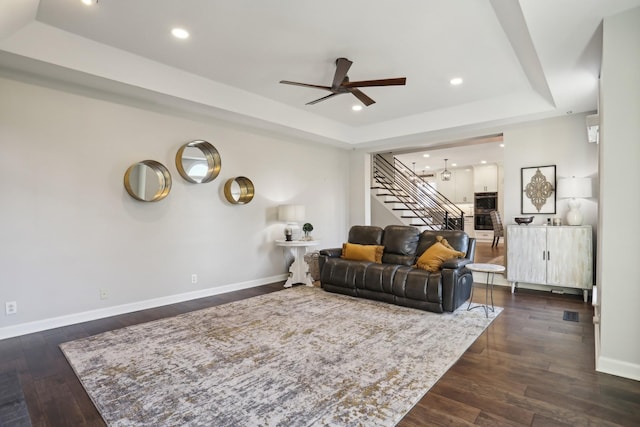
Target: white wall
(559,141)
(381,216)
(619,196)
(68,228)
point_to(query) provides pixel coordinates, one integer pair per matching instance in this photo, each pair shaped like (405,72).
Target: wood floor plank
(491,400)
(444,407)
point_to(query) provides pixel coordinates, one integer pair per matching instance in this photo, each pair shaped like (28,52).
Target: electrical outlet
(104,294)
(194,278)
(11,307)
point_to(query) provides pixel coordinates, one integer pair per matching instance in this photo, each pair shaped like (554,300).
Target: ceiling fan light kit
(341,84)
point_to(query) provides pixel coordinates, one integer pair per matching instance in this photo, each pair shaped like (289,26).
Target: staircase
(411,198)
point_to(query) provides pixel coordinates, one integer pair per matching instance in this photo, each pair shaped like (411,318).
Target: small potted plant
(307,228)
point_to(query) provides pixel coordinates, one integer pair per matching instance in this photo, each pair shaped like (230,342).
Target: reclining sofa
(394,277)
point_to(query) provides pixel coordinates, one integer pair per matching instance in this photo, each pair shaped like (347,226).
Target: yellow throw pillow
(444,242)
(432,258)
(355,252)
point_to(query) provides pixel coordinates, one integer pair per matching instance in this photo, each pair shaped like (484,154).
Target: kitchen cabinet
(485,178)
(459,189)
(464,186)
(447,188)
(483,235)
(468,226)
(555,256)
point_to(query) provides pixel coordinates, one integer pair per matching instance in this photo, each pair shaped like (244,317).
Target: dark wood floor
(529,368)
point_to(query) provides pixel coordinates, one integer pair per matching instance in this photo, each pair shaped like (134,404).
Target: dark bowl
(523,220)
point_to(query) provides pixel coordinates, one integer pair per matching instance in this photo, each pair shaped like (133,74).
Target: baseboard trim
(101,313)
(618,368)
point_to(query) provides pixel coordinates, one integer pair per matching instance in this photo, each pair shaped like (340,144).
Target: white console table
(299,270)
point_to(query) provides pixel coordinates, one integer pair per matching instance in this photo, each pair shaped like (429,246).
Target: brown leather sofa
(396,280)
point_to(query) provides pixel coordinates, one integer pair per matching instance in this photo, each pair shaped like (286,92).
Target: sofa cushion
(400,243)
(344,274)
(365,235)
(432,258)
(379,277)
(355,252)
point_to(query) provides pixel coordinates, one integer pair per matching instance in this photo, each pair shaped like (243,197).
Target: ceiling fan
(341,84)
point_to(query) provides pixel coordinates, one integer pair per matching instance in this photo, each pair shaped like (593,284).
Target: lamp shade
(574,188)
(291,213)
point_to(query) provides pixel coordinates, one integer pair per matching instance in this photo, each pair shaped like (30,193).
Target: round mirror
(198,162)
(147,181)
(239,190)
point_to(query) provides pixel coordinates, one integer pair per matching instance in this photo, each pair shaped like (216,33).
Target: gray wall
(68,228)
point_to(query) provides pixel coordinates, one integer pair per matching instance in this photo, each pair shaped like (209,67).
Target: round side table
(491,270)
(299,270)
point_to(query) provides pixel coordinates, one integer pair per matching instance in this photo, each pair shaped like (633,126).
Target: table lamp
(292,215)
(574,188)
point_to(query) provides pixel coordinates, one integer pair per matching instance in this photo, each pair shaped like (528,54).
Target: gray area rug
(297,357)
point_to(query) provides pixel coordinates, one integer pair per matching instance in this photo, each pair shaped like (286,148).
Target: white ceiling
(519,59)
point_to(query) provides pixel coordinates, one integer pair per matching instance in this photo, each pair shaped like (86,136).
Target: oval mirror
(239,190)
(198,162)
(147,181)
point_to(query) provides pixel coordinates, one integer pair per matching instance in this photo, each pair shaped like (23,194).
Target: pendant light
(445,175)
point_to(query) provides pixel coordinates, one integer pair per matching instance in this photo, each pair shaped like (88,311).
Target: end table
(491,270)
(299,270)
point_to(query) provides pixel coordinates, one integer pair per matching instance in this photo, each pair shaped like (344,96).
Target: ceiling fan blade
(342,67)
(362,97)
(286,82)
(400,81)
(322,99)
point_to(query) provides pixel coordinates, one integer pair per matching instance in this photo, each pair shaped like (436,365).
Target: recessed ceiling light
(454,164)
(483,161)
(180,33)
(89,2)
(426,155)
(456,81)
(356,107)
(427,167)
(502,145)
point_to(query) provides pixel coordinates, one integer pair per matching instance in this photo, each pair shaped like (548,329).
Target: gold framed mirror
(198,162)
(239,190)
(147,181)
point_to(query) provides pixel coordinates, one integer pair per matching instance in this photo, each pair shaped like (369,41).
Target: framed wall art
(538,194)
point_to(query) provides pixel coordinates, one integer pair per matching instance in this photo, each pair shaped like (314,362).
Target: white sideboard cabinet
(556,256)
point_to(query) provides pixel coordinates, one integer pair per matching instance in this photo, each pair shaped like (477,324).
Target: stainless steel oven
(483,204)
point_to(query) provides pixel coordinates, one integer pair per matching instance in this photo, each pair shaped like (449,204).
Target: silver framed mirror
(198,162)
(239,190)
(147,181)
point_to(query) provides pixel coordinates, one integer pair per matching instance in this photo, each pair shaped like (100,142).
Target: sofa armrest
(326,254)
(456,283)
(455,263)
(332,252)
